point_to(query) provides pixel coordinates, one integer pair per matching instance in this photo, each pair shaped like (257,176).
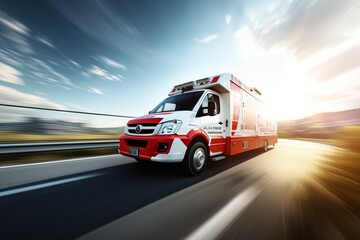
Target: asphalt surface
(16,175)
(281,194)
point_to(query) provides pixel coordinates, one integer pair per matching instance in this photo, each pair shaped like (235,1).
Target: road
(294,191)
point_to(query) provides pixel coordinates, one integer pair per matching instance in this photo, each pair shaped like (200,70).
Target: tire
(195,159)
(266,146)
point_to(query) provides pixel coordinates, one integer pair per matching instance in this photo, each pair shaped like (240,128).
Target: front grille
(145,128)
(143,131)
(136,143)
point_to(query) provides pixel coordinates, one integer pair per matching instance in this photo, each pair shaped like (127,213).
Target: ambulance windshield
(182,102)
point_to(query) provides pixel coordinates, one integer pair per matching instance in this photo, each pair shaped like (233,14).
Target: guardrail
(55,146)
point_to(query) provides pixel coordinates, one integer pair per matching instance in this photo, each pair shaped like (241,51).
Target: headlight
(170,127)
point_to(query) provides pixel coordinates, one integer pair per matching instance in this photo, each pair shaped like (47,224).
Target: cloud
(95,90)
(321,37)
(305,27)
(207,38)
(246,42)
(62,78)
(339,93)
(227,19)
(16,32)
(75,63)
(42,64)
(100,21)
(346,61)
(18,51)
(13,96)
(48,73)
(100,72)
(13,24)
(8,57)
(46,42)
(113,63)
(20,43)
(10,74)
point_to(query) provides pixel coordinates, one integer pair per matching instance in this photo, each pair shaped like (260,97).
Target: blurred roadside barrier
(55,146)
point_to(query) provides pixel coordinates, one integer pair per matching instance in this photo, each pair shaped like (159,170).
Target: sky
(123,57)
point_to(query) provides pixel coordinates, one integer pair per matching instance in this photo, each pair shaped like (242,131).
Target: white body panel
(176,153)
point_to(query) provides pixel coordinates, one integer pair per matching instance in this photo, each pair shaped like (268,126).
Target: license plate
(134,152)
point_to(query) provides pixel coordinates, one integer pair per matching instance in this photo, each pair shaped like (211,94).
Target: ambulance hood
(156,118)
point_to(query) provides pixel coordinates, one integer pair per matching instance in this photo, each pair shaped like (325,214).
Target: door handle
(221,123)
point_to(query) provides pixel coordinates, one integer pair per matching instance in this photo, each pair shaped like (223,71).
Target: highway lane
(273,195)
(11,176)
(71,209)
(286,193)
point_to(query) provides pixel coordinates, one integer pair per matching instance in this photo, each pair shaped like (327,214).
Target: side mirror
(211,108)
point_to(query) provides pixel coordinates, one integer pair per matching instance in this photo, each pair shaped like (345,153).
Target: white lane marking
(59,161)
(218,222)
(48,184)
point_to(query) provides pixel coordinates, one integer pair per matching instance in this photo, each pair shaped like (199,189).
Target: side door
(212,123)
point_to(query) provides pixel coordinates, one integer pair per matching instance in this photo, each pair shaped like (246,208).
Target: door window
(204,108)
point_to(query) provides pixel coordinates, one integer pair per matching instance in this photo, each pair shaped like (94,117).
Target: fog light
(163,147)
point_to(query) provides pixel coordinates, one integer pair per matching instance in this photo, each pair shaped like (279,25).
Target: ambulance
(202,120)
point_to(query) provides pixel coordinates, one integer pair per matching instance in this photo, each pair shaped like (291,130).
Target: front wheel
(195,158)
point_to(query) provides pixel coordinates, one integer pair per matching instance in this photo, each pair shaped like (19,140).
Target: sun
(289,94)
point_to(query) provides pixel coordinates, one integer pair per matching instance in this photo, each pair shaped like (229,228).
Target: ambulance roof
(219,83)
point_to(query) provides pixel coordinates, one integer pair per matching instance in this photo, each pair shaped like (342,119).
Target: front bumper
(148,147)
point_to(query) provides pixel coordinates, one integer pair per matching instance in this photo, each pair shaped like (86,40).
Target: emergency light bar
(193,85)
(202,81)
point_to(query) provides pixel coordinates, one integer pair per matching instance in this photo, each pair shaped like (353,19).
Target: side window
(204,109)
(216,100)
